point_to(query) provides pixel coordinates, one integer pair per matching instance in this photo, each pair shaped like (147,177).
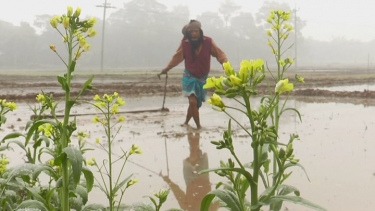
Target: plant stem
(254,188)
(111,194)
(64,136)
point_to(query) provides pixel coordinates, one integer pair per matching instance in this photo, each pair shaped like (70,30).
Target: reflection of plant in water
(241,86)
(197,185)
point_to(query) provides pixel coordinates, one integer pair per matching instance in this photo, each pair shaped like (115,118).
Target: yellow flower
(120,101)
(269,43)
(214,82)
(269,32)
(77,12)
(97,98)
(132,182)
(91,21)
(65,38)
(52,47)
(54,21)
(228,69)
(258,64)
(91,162)
(96,119)
(82,41)
(235,80)
(11,105)
(86,47)
(77,54)
(92,32)
(97,141)
(121,119)
(69,11)
(246,71)
(115,109)
(283,86)
(300,78)
(65,22)
(281,62)
(215,100)
(115,94)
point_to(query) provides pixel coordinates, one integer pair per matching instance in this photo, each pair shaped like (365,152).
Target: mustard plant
(263,131)
(108,182)
(67,162)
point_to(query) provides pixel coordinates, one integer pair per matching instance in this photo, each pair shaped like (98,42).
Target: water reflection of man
(197,185)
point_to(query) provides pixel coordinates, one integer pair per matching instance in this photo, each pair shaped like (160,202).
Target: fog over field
(144,34)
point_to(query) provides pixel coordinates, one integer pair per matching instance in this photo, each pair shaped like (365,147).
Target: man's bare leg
(193,111)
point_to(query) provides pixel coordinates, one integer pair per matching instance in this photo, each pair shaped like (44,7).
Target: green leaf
(296,200)
(92,207)
(288,165)
(32,204)
(292,109)
(12,136)
(72,66)
(89,176)
(20,144)
(82,192)
(35,126)
(239,170)
(122,183)
(142,207)
(62,82)
(76,159)
(87,84)
(229,198)
(41,168)
(25,169)
(42,138)
(35,193)
(3,119)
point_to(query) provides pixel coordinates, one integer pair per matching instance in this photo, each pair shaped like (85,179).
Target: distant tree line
(145,34)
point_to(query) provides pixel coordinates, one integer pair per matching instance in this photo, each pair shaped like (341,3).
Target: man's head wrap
(190,26)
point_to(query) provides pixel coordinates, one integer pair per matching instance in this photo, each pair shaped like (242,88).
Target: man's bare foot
(184,125)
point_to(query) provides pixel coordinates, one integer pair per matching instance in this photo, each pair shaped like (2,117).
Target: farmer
(196,49)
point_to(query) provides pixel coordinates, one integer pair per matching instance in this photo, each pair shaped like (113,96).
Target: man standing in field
(196,49)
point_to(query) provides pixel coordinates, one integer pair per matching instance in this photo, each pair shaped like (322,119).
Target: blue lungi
(194,85)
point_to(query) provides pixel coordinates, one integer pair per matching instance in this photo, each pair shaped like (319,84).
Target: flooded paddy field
(336,146)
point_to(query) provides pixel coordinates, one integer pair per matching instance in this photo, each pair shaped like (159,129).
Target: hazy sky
(326,19)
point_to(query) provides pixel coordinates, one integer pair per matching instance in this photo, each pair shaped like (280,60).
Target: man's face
(195,33)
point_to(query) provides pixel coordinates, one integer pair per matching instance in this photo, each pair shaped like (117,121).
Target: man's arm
(218,53)
(177,58)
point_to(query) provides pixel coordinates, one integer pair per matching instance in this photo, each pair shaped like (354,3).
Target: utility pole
(295,36)
(105,5)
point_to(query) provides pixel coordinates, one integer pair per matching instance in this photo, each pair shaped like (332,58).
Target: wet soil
(336,135)
(24,87)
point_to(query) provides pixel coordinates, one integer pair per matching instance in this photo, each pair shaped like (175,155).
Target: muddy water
(336,147)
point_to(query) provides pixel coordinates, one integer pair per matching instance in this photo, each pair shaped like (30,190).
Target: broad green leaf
(229,198)
(82,192)
(3,119)
(25,169)
(122,183)
(296,200)
(94,207)
(76,159)
(6,182)
(44,168)
(32,204)
(89,176)
(35,126)
(12,136)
